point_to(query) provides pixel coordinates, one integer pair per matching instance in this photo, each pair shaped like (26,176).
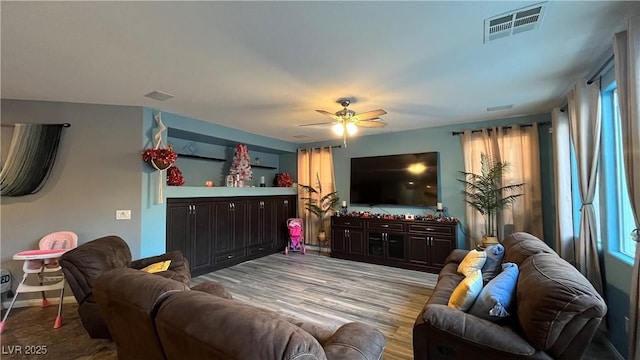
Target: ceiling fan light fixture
(338,129)
(351,128)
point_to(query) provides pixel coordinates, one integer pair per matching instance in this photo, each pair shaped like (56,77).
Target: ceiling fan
(347,121)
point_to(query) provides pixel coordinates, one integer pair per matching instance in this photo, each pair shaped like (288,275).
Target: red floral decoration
(174,177)
(284,180)
(161,158)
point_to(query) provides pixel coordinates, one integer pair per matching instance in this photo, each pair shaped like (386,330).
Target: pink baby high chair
(296,238)
(43,263)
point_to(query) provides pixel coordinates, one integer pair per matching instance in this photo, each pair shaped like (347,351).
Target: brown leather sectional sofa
(151,317)
(556,313)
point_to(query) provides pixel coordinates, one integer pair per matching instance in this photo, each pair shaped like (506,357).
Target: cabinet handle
(194,210)
(429,229)
(347,223)
(286,202)
(384,225)
(260,249)
(261,204)
(229,256)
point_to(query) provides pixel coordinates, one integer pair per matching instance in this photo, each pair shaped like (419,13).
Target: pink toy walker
(296,239)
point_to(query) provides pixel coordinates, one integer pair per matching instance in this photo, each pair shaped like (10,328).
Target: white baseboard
(37,302)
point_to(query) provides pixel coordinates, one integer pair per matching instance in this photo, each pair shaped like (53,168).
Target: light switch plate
(123,214)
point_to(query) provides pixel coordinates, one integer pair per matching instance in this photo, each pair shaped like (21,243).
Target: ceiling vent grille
(514,22)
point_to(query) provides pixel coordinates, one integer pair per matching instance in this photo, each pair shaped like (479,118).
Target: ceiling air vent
(159,95)
(514,22)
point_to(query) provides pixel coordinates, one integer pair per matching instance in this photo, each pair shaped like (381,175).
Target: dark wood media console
(412,244)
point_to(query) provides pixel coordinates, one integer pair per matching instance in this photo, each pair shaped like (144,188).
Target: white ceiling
(264,67)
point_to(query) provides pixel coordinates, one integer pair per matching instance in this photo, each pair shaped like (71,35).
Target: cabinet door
(286,209)
(255,218)
(441,248)
(338,240)
(222,227)
(239,224)
(201,260)
(395,246)
(179,223)
(375,244)
(356,242)
(268,223)
(419,249)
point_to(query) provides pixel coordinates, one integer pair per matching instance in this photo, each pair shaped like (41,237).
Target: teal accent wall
(153,224)
(422,140)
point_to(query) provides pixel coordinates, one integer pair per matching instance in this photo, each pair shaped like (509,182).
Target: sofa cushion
(520,245)
(217,328)
(492,267)
(496,296)
(474,261)
(466,292)
(554,301)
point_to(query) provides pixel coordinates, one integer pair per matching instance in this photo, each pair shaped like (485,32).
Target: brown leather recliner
(84,264)
(153,318)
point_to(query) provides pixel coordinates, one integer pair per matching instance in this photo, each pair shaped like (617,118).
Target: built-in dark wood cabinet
(214,233)
(413,244)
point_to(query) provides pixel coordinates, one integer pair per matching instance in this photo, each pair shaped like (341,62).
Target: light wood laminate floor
(333,292)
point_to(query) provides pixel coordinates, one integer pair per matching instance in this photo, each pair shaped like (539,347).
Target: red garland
(174,177)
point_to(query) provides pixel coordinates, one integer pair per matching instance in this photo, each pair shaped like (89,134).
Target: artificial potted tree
(319,204)
(484,192)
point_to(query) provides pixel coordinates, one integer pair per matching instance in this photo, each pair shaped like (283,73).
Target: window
(619,216)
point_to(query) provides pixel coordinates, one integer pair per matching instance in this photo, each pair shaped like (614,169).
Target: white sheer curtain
(518,146)
(314,163)
(584,118)
(473,145)
(565,237)
(626,47)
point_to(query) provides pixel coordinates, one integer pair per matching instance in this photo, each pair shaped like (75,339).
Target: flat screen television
(405,179)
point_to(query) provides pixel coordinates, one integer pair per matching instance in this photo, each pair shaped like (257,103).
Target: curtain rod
(14,125)
(593,78)
(600,69)
(455,133)
(333,147)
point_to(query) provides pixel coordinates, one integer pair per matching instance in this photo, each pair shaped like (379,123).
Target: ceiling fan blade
(371,123)
(322,123)
(370,114)
(326,113)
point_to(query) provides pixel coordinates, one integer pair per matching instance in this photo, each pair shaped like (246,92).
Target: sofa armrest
(213,288)
(474,330)
(355,341)
(456,256)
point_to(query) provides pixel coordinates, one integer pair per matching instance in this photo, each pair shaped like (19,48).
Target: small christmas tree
(242,163)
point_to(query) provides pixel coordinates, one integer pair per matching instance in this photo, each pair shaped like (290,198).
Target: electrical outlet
(123,214)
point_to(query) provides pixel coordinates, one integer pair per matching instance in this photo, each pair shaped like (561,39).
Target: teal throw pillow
(491,267)
(496,297)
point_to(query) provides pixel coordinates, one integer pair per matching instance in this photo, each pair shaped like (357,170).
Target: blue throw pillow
(491,267)
(496,296)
